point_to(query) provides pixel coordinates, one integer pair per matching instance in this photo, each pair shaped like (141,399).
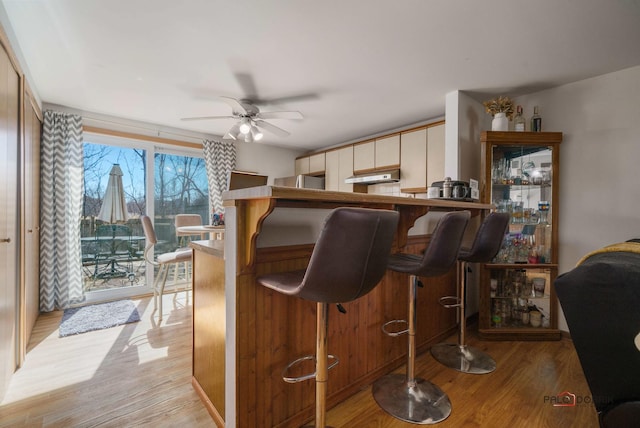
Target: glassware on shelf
(501,172)
(514,301)
(538,286)
(532,257)
(528,214)
(543,233)
(536,176)
(535,318)
(518,212)
(496,314)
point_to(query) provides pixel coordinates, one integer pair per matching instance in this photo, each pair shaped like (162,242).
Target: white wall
(266,160)
(599,158)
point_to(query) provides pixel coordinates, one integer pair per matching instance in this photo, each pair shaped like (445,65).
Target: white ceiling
(358,67)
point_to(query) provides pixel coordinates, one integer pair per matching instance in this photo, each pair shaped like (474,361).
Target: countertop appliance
(300,181)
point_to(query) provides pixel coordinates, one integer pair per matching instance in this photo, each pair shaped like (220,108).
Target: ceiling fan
(251,121)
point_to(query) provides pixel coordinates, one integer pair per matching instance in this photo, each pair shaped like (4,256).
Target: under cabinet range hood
(375,177)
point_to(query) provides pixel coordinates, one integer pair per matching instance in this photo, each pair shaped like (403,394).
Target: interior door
(9,107)
(30,254)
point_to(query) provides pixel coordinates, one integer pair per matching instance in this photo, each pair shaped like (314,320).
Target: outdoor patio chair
(113,252)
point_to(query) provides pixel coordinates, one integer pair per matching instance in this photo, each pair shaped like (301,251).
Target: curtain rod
(131,135)
(200,136)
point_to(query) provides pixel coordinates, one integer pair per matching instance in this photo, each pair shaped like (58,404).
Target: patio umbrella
(113,210)
(114,207)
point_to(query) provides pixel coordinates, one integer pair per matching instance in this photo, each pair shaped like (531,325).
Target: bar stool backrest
(350,255)
(149,233)
(188,220)
(442,252)
(488,239)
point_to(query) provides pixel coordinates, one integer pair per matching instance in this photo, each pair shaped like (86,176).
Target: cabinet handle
(7,240)
(29,230)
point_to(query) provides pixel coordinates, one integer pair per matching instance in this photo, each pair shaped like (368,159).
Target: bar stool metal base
(465,359)
(418,402)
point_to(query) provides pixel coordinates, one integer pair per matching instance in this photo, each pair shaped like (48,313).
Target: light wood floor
(140,375)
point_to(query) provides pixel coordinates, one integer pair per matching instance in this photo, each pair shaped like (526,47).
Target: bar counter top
(346,198)
(213,247)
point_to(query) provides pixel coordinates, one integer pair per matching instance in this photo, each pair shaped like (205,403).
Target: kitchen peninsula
(244,334)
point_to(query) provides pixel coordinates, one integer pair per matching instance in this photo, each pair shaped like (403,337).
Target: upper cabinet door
(388,152)
(332,170)
(346,168)
(413,161)
(317,164)
(421,158)
(302,165)
(364,156)
(435,153)
(339,166)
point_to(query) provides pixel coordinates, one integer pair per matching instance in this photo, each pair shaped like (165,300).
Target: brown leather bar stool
(487,243)
(409,398)
(348,260)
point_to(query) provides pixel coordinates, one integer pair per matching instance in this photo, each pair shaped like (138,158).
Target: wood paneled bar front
(272,229)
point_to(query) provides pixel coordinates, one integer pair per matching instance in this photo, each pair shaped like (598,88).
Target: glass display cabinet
(520,176)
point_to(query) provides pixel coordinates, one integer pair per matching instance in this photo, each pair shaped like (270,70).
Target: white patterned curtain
(61,178)
(220,159)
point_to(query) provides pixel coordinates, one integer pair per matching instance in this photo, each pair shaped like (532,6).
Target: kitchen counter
(246,334)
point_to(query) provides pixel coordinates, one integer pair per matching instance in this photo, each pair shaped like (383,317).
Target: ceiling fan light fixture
(245,125)
(248,138)
(256,133)
(234,131)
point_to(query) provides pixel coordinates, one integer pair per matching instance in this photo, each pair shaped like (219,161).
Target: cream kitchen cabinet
(379,154)
(339,166)
(388,152)
(311,165)
(421,158)
(302,165)
(317,164)
(364,156)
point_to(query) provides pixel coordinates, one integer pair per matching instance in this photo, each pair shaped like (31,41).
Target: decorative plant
(499,105)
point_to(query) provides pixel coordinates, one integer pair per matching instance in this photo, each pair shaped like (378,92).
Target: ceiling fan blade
(280,115)
(236,106)
(271,128)
(207,118)
(289,99)
(248,86)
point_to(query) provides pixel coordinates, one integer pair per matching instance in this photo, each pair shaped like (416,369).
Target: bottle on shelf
(536,121)
(543,232)
(518,121)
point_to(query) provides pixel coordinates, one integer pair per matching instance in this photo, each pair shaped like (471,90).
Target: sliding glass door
(113,246)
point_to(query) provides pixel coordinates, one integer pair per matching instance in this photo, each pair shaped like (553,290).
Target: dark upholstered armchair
(601,302)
